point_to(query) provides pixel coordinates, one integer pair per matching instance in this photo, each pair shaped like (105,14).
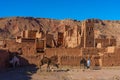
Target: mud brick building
(12,45)
(34,38)
(111,58)
(70,46)
(67,56)
(28,46)
(87,34)
(50,42)
(75,37)
(71,37)
(29,34)
(105,42)
(60,39)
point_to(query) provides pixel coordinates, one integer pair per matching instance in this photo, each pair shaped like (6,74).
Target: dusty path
(32,73)
(104,74)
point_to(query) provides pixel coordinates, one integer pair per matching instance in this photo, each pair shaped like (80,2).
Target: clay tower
(88,33)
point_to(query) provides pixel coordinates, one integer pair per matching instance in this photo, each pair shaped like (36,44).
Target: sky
(61,9)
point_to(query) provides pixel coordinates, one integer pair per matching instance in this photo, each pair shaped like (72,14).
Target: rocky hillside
(11,27)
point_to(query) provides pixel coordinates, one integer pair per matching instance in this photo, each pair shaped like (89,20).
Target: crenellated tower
(87,34)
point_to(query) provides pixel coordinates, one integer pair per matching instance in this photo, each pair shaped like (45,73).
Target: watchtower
(87,38)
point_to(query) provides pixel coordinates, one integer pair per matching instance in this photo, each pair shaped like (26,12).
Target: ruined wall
(1,43)
(29,53)
(111,59)
(105,42)
(49,40)
(28,47)
(29,33)
(32,33)
(60,39)
(113,42)
(94,54)
(71,37)
(69,56)
(4,59)
(92,51)
(70,60)
(63,51)
(40,45)
(82,41)
(89,34)
(26,60)
(72,56)
(12,45)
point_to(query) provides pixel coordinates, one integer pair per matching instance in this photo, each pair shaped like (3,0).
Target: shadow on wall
(22,72)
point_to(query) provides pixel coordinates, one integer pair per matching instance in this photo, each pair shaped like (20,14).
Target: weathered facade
(50,42)
(87,34)
(70,46)
(71,37)
(105,42)
(4,58)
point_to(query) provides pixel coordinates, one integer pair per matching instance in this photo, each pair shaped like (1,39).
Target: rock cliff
(11,27)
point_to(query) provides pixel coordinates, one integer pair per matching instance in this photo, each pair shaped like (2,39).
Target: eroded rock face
(12,27)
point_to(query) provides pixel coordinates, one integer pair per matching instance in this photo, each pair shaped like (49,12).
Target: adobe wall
(4,59)
(12,45)
(32,33)
(63,51)
(49,40)
(60,39)
(30,60)
(89,34)
(106,42)
(111,59)
(29,55)
(92,50)
(107,57)
(72,56)
(28,48)
(69,56)
(94,54)
(113,42)
(1,43)
(29,33)
(71,37)
(82,41)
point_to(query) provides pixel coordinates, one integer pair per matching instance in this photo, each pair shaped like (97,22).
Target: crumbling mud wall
(105,42)
(73,56)
(28,48)
(71,37)
(4,59)
(12,45)
(69,56)
(26,60)
(111,59)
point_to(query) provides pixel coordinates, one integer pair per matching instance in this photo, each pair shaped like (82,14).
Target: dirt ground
(33,73)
